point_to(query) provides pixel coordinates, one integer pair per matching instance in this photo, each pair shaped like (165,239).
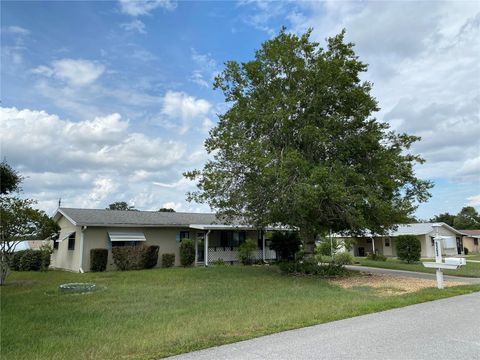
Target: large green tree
(467,219)
(299,145)
(19,221)
(446,218)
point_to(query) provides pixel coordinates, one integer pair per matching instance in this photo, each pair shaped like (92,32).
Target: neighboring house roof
(471,233)
(102,217)
(416,229)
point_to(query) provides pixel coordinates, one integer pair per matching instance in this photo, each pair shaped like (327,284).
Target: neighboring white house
(386,244)
(86,229)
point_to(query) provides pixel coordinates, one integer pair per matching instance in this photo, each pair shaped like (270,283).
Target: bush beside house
(98,259)
(187,252)
(135,257)
(31,260)
(150,256)
(168,260)
(408,248)
(285,244)
(245,252)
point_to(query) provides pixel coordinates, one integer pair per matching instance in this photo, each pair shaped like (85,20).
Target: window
(475,241)
(124,243)
(184,235)
(369,241)
(432,240)
(387,242)
(71,241)
(55,244)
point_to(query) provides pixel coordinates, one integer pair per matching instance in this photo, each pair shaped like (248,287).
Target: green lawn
(470,270)
(473,257)
(154,313)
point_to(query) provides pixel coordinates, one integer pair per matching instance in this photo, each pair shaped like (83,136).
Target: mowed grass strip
(470,270)
(155,313)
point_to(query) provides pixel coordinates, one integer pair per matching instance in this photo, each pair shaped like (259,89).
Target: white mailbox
(451,263)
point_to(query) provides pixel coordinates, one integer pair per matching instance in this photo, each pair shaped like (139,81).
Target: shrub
(47,251)
(187,252)
(168,260)
(465,251)
(15,260)
(376,257)
(311,267)
(219,262)
(245,252)
(98,259)
(343,258)
(285,244)
(31,260)
(128,257)
(408,248)
(149,256)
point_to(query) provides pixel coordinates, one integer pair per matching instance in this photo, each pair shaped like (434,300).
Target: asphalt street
(438,330)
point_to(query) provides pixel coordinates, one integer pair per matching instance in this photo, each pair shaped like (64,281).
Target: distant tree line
(467,219)
(122,205)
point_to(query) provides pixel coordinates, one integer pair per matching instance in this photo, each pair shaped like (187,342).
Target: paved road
(418,275)
(439,330)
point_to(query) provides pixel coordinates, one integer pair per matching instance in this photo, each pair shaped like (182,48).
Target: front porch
(216,243)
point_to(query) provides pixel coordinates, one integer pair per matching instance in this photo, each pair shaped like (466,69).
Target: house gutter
(81,248)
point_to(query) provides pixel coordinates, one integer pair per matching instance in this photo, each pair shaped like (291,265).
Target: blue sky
(107,101)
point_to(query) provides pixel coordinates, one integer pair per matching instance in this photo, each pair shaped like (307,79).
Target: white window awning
(67,235)
(126,236)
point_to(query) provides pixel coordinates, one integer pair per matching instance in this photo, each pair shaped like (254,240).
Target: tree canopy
(467,219)
(19,220)
(166,210)
(120,205)
(299,144)
(446,218)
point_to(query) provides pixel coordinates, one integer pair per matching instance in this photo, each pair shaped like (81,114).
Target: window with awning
(126,238)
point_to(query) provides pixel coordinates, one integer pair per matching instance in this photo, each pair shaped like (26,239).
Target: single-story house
(386,244)
(86,229)
(470,240)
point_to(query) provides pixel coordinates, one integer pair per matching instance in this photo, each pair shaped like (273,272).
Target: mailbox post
(450,263)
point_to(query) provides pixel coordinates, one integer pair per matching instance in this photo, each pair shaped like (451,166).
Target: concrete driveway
(442,329)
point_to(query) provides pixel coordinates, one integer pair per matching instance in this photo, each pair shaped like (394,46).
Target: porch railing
(229,254)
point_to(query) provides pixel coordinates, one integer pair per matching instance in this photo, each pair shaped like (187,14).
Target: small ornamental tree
(245,252)
(299,144)
(408,248)
(187,252)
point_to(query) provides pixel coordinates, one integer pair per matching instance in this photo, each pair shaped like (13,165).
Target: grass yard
(154,313)
(473,257)
(470,270)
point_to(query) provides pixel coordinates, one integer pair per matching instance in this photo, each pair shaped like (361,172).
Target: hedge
(168,260)
(98,259)
(150,256)
(187,252)
(30,260)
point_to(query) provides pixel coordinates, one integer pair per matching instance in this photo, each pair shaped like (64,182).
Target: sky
(109,101)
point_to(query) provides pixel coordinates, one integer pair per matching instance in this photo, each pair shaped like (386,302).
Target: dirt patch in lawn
(388,285)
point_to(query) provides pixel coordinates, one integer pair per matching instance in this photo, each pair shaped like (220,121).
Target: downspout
(81,248)
(205,260)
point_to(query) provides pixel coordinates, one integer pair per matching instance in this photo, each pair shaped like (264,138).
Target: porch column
(373,245)
(196,249)
(205,260)
(263,246)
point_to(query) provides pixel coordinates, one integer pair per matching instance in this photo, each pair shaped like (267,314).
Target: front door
(200,247)
(459,245)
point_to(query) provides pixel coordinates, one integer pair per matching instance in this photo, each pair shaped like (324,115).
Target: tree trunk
(308,244)
(4,269)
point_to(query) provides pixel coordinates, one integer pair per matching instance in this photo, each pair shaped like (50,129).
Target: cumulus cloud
(145,7)
(183,109)
(92,162)
(76,72)
(16,30)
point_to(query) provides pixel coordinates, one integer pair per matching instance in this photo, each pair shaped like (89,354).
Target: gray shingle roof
(101,217)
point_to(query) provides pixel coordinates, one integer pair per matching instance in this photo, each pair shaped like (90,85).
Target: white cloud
(205,71)
(181,109)
(16,30)
(473,200)
(135,25)
(94,162)
(172,205)
(145,7)
(75,72)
